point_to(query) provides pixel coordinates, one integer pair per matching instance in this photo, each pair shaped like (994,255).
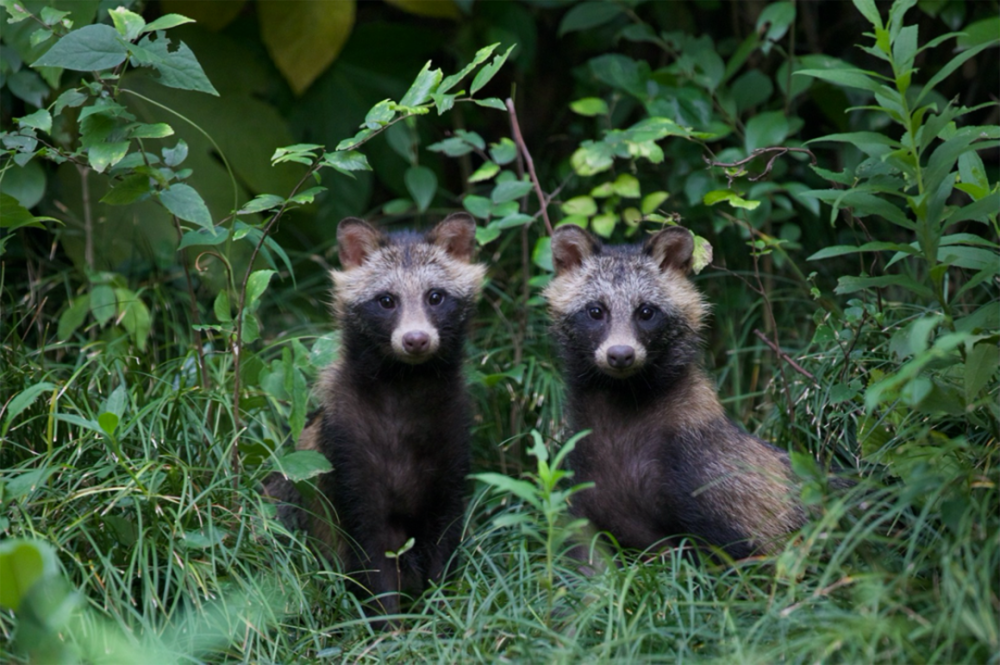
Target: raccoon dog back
(395,415)
(665,460)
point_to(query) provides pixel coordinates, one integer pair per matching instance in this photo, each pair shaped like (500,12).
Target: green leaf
(260,203)
(478,206)
(108,423)
(604,225)
(221,307)
(504,151)
(519,488)
(104,155)
(103,304)
(166,22)
(160,130)
(22,401)
(307,196)
(128,24)
(852,78)
(588,15)
(130,189)
(592,158)
(204,236)
(983,31)
(186,203)
(26,184)
(869,11)
(491,103)
(40,120)
(765,130)
(541,256)
(256,285)
(176,155)
(13,215)
(488,72)
(980,366)
(177,65)
(22,564)
(15,10)
(733,199)
(346,161)
(702,255)
(481,55)
(379,115)
(580,205)
(627,186)
(421,183)
(589,106)
(420,90)
(652,201)
(302,465)
(304,38)
(485,172)
(486,235)
(876,246)
(510,191)
(71,98)
(853,284)
(91,48)
(776,17)
(511,221)
(135,316)
(73,317)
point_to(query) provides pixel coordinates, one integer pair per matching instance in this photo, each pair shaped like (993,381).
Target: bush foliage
(170,177)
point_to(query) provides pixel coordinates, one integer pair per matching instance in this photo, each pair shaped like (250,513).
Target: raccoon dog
(395,414)
(664,459)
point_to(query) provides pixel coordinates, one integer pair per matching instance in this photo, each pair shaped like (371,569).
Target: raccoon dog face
(406,295)
(626,310)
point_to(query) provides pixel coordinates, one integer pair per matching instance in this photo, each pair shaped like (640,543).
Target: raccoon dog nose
(416,342)
(621,356)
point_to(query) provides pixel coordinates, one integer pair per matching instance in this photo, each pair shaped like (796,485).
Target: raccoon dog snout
(621,356)
(415,338)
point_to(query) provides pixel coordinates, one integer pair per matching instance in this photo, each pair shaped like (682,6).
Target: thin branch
(778,151)
(784,356)
(543,202)
(237,344)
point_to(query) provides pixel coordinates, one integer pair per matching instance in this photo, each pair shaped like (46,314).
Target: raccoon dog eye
(645,313)
(387,302)
(595,312)
(435,298)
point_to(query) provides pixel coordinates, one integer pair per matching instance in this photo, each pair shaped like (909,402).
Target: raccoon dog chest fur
(664,459)
(395,414)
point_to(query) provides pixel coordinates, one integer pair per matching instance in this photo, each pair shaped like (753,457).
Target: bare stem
(543,201)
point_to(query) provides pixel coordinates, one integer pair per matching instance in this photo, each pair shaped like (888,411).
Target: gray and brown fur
(665,460)
(395,414)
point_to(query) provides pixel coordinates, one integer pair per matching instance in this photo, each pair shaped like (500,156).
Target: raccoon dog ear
(671,248)
(570,246)
(456,235)
(356,239)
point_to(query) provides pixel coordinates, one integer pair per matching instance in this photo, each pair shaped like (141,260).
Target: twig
(237,345)
(784,356)
(195,317)
(778,151)
(519,140)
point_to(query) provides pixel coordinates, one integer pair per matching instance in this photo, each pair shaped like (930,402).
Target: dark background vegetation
(903,568)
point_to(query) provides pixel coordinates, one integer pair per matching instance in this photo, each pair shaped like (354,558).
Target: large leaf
(303,464)
(91,48)
(587,15)
(22,401)
(420,91)
(421,183)
(176,63)
(303,38)
(185,202)
(22,563)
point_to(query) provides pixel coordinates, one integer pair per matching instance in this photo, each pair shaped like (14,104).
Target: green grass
(172,549)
